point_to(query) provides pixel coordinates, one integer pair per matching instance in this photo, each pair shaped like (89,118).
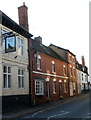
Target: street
(76,109)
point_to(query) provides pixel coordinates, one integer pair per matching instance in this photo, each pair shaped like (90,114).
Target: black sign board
(10,41)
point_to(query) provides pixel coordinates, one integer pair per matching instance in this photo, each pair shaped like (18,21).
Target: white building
(14,73)
(82,77)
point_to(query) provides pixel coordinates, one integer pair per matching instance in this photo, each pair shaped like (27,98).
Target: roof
(9,23)
(46,50)
(62,49)
(80,67)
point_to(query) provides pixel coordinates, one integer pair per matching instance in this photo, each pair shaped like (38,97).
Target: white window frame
(64,70)
(74,86)
(21,78)
(39,87)
(3,40)
(54,86)
(53,67)
(6,83)
(20,46)
(71,71)
(65,86)
(38,62)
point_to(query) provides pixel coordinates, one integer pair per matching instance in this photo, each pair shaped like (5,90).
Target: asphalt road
(72,110)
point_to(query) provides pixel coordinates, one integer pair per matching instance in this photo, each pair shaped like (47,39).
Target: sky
(64,23)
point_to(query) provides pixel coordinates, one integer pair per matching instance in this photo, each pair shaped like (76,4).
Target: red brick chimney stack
(23,16)
(83,61)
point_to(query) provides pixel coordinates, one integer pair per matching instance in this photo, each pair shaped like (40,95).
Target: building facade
(49,74)
(71,59)
(14,73)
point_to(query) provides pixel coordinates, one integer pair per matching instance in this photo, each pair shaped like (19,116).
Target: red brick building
(71,59)
(49,74)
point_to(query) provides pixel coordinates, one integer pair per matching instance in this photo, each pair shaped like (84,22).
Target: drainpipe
(29,68)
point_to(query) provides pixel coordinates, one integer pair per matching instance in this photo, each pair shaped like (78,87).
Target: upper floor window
(74,71)
(53,66)
(3,40)
(20,78)
(64,70)
(82,77)
(86,79)
(6,77)
(8,41)
(39,62)
(71,71)
(20,46)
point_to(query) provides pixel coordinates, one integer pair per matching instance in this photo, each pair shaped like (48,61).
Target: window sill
(39,94)
(54,93)
(39,69)
(6,88)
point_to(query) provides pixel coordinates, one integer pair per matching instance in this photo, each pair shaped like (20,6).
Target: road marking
(57,115)
(36,113)
(88,116)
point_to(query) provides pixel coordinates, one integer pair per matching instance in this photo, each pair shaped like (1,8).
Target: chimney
(38,40)
(23,16)
(83,61)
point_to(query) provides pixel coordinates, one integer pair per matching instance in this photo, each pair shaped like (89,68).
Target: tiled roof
(62,49)
(9,23)
(46,50)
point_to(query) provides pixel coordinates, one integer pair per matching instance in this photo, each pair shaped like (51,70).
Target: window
(64,70)
(53,67)
(82,77)
(9,41)
(38,62)
(54,86)
(6,77)
(71,72)
(3,40)
(74,86)
(20,78)
(65,86)
(85,78)
(20,46)
(74,72)
(39,87)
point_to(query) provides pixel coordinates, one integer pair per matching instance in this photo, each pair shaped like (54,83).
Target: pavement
(30,110)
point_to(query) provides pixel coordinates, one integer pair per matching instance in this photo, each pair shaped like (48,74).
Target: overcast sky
(64,23)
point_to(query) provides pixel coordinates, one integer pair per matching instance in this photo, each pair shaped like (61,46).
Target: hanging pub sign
(10,44)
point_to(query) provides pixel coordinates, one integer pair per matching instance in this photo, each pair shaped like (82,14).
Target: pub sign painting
(10,44)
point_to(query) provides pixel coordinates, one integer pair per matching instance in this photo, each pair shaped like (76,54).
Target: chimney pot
(83,61)
(23,3)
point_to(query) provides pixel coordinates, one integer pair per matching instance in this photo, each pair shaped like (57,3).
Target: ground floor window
(54,86)
(65,86)
(74,86)
(6,77)
(39,87)
(20,78)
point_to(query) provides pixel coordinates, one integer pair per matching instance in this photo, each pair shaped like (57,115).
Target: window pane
(5,81)
(9,81)
(22,82)
(18,71)
(19,82)
(22,72)
(5,69)
(9,70)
